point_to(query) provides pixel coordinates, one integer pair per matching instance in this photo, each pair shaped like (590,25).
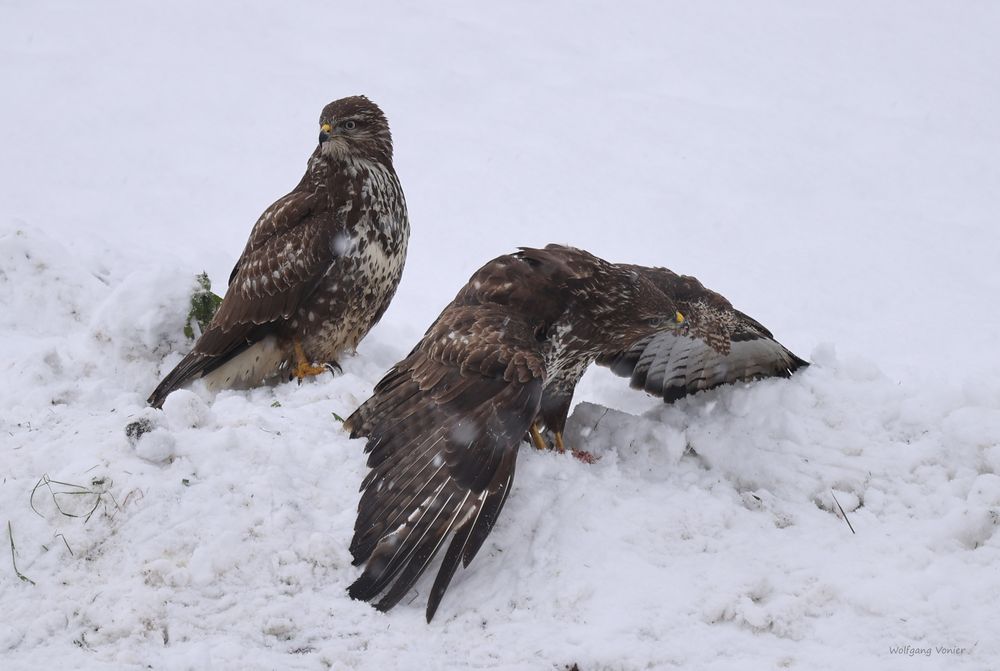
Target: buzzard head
(354,128)
(632,308)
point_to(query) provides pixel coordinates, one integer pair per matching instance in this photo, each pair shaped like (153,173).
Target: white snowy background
(832,169)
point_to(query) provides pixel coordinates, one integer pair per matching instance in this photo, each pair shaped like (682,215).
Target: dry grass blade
(13,560)
(96,490)
(839,507)
(65,542)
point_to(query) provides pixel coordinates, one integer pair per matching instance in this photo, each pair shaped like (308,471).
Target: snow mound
(716,523)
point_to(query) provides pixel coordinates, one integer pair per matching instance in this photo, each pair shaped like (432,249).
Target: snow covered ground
(833,170)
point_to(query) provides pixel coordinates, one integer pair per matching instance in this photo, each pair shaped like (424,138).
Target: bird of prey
(320,268)
(499,366)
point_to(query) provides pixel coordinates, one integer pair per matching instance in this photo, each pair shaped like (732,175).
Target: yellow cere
(326,128)
(679,318)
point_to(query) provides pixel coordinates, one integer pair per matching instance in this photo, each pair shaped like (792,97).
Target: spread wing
(717,345)
(443,429)
(289,251)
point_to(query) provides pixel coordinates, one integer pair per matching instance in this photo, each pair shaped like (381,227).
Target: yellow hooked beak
(324,132)
(678,317)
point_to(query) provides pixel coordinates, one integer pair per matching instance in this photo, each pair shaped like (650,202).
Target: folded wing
(288,253)
(443,428)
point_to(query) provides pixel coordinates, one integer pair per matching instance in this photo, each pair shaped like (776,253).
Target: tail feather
(193,366)
(246,364)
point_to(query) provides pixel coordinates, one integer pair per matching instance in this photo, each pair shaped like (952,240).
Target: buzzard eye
(350,124)
(655,321)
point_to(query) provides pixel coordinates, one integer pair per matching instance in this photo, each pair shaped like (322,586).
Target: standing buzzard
(501,363)
(321,265)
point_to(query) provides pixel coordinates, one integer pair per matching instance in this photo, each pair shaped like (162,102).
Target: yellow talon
(303,367)
(559,442)
(536,438)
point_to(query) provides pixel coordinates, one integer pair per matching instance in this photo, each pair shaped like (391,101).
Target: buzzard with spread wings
(500,364)
(320,268)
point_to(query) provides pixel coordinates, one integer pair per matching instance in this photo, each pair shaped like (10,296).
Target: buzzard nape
(501,364)
(320,267)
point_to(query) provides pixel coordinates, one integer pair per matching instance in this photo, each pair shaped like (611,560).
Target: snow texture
(834,170)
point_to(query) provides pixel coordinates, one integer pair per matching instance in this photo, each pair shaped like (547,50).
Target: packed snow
(833,170)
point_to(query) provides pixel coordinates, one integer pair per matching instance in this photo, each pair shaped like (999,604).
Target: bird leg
(303,367)
(536,438)
(559,442)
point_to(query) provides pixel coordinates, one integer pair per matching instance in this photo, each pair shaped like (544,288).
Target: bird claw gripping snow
(304,368)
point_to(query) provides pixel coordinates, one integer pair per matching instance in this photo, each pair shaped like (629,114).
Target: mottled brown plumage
(444,424)
(321,264)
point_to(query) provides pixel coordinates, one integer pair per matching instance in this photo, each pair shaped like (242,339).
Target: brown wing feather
(443,428)
(717,344)
(289,251)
